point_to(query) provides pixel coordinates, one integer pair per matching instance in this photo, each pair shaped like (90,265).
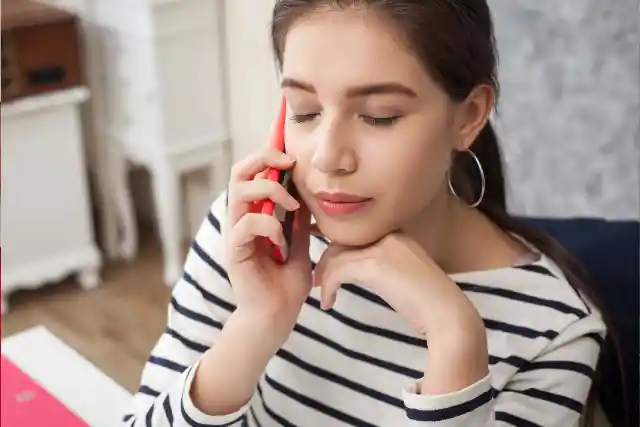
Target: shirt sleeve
(550,391)
(201,302)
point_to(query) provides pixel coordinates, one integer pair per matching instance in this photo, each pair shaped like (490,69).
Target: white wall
(253,90)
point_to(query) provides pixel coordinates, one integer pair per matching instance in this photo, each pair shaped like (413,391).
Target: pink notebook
(27,404)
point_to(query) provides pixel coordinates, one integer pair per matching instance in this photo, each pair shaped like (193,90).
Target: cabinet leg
(89,279)
(108,213)
(110,231)
(124,205)
(167,198)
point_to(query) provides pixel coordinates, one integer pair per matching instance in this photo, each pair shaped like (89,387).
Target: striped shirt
(357,364)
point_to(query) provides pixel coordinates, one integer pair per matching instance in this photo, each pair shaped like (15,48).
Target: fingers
(247,193)
(250,227)
(330,273)
(246,169)
(245,189)
(263,189)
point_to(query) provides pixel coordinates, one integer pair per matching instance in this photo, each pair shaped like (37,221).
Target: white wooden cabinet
(47,230)
(162,102)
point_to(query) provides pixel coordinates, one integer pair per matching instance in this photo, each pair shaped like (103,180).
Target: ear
(472,114)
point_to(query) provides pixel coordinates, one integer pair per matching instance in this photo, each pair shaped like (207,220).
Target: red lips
(341,203)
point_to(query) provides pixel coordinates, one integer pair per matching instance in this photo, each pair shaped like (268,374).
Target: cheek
(296,147)
(418,171)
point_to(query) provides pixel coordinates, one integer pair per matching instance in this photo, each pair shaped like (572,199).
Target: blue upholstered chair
(610,252)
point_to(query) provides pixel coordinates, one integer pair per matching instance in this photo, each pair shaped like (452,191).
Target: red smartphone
(280,253)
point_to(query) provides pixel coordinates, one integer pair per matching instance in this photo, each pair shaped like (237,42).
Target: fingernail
(294,205)
(288,158)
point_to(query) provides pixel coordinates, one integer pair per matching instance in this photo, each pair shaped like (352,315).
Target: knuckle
(242,226)
(236,169)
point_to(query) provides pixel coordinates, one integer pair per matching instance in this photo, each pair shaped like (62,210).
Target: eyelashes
(303,118)
(373,121)
(380,121)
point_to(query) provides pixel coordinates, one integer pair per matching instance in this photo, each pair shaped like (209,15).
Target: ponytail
(466,175)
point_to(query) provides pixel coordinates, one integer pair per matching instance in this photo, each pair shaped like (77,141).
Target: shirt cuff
(471,402)
(194,416)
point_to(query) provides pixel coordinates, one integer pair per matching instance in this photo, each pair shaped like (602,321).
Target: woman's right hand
(269,296)
(265,290)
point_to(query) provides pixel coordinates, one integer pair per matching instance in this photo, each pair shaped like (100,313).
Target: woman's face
(371,131)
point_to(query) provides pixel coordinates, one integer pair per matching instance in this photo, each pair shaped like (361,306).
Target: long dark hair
(455,41)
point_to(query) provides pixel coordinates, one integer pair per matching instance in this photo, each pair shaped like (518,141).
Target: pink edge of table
(94,397)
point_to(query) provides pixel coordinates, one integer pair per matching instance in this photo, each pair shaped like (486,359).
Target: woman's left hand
(399,271)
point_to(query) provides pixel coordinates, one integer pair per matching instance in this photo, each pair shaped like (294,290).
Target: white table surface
(83,388)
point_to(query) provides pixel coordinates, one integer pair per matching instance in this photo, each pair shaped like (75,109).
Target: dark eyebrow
(356,91)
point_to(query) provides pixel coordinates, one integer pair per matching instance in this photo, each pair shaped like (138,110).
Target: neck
(434,227)
(460,239)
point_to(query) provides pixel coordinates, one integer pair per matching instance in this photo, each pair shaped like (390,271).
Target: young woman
(424,304)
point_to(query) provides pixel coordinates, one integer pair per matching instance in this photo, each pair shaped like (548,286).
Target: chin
(348,233)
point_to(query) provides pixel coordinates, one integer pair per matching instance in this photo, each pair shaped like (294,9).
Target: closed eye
(380,121)
(302,118)
(370,120)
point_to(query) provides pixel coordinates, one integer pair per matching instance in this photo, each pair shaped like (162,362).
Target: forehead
(332,48)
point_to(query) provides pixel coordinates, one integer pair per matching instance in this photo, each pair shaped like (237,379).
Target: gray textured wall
(570,110)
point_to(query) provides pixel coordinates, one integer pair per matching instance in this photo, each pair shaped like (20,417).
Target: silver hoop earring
(483,182)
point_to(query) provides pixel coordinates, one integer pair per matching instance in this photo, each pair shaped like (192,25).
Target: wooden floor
(114,326)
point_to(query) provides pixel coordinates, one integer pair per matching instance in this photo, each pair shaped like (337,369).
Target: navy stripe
(369,296)
(517,296)
(197,249)
(322,239)
(277,418)
(363,357)
(337,379)
(561,365)
(213,221)
(195,346)
(127,417)
(536,268)
(435,415)
(167,410)
(315,405)
(195,316)
(254,417)
(515,361)
(408,372)
(149,418)
(166,363)
(208,295)
(316,337)
(373,330)
(526,365)
(599,339)
(518,330)
(514,420)
(560,400)
(148,391)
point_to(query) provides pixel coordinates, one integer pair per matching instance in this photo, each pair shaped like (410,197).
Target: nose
(333,152)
